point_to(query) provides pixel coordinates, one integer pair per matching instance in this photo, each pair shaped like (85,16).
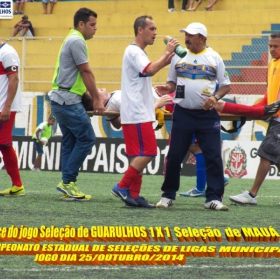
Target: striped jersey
(9,64)
(197,75)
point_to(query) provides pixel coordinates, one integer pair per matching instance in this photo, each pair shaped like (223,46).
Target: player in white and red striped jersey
(10,104)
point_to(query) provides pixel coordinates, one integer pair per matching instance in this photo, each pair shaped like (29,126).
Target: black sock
(253,196)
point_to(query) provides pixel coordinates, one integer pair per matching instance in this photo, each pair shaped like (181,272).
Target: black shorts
(270,146)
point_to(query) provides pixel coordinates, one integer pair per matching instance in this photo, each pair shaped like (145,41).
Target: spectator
(40,137)
(211,4)
(171,6)
(10,104)
(19,7)
(269,151)
(45,4)
(137,110)
(113,103)
(72,77)
(24,28)
(191,8)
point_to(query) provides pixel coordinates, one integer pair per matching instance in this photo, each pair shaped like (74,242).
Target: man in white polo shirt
(194,79)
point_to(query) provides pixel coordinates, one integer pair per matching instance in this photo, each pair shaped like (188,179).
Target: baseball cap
(25,17)
(195,28)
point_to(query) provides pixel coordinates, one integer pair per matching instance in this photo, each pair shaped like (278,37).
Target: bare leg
(21,7)
(211,4)
(191,6)
(37,163)
(44,8)
(16,8)
(262,171)
(197,5)
(16,31)
(51,7)
(24,30)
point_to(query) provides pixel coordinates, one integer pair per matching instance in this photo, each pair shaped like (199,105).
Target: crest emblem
(236,163)
(206,92)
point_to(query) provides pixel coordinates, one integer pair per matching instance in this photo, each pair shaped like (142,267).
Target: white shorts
(27,34)
(47,1)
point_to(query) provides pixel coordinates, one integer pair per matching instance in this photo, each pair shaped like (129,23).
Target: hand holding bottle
(179,50)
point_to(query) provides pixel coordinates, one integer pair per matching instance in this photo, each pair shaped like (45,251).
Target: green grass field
(41,206)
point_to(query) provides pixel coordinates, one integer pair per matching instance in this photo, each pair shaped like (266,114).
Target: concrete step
(148,7)
(168,30)
(163,20)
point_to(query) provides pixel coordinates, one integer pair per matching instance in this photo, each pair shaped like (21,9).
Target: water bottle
(179,50)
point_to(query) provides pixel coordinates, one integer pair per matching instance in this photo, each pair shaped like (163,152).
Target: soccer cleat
(243,199)
(171,10)
(272,108)
(70,189)
(13,191)
(165,202)
(36,169)
(142,202)
(66,197)
(124,195)
(193,193)
(215,205)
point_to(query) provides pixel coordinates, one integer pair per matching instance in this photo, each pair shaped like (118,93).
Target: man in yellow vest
(72,77)
(40,137)
(269,150)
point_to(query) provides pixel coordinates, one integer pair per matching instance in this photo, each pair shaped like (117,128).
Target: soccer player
(137,110)
(112,102)
(10,104)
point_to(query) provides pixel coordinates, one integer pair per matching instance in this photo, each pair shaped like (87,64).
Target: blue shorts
(38,147)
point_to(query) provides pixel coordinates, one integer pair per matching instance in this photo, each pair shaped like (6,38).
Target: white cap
(195,28)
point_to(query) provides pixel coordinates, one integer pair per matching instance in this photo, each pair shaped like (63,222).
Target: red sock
(135,187)
(240,109)
(130,175)
(11,164)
